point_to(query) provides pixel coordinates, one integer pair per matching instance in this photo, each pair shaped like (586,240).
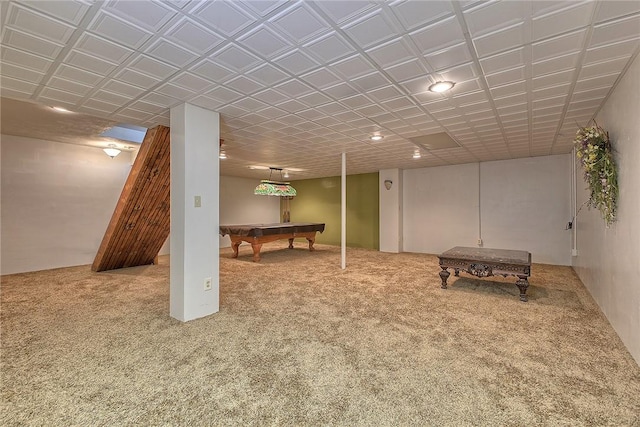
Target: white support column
(390,210)
(343,204)
(195,178)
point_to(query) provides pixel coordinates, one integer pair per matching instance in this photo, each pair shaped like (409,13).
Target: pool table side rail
(259,230)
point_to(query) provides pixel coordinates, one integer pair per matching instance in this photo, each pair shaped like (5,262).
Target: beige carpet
(300,342)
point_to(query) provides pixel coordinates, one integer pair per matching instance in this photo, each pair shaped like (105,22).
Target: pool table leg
(444,275)
(256,251)
(523,284)
(311,242)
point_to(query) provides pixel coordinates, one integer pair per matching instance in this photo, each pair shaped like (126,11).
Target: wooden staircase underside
(140,223)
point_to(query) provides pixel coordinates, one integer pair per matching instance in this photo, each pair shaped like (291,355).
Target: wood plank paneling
(140,223)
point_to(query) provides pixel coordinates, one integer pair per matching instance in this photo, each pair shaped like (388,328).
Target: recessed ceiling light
(416,154)
(441,86)
(376,137)
(61,110)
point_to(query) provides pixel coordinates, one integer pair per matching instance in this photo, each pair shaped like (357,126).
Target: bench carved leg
(444,275)
(523,284)
(291,243)
(256,251)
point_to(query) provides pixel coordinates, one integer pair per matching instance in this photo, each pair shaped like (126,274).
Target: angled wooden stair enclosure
(140,223)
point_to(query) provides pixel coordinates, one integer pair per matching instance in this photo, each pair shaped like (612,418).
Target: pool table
(258,234)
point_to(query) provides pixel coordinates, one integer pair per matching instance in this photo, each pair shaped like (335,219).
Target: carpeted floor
(299,342)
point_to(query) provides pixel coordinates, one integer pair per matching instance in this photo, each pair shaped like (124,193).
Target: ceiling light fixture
(416,154)
(222,155)
(61,109)
(441,86)
(376,137)
(267,187)
(111,151)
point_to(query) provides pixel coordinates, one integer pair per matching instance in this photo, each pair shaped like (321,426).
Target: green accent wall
(318,200)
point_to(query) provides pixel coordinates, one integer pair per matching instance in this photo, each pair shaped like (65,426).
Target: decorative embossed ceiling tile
(288,75)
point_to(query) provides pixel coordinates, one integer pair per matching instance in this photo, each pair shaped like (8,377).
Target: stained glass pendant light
(268,187)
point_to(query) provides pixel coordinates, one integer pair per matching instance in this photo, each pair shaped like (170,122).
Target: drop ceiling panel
(70,11)
(25,89)
(391,53)
(412,14)
(224,17)
(38,24)
(616,31)
(166,51)
(343,11)
(78,75)
(102,48)
(193,36)
(69,86)
(502,40)
(494,17)
(371,29)
(148,15)
(236,58)
(296,62)
(576,16)
(299,23)
(616,9)
(90,62)
(152,67)
(24,59)
(265,41)
(329,48)
(119,31)
(562,45)
(448,57)
(436,37)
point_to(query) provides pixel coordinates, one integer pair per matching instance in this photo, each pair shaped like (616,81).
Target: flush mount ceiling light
(111,151)
(267,187)
(61,109)
(441,86)
(222,155)
(376,137)
(416,154)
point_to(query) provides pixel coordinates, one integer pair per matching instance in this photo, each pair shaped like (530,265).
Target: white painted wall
(526,205)
(390,211)
(57,200)
(238,205)
(514,204)
(440,208)
(608,261)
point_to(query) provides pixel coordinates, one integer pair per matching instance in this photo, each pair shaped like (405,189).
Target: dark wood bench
(485,262)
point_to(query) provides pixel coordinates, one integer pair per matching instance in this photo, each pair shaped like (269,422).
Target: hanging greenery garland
(594,150)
